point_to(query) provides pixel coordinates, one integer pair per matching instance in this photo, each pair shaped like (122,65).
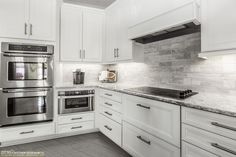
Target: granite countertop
(211,102)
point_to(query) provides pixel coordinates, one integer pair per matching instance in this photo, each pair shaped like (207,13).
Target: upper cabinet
(28,19)
(118,46)
(218,27)
(82,33)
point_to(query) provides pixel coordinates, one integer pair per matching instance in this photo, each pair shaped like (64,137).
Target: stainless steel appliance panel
(25,105)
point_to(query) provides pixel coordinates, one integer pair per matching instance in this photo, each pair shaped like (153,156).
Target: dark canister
(78,77)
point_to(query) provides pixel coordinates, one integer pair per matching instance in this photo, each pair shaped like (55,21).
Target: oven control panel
(76,92)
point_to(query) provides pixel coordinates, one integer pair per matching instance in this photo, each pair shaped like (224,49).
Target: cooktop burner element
(171,93)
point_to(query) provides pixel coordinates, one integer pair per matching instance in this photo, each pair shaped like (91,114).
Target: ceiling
(92,3)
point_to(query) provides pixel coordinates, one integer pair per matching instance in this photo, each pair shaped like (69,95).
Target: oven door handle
(78,96)
(27,55)
(24,90)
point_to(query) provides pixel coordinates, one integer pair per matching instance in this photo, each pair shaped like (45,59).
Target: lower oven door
(25,106)
(72,104)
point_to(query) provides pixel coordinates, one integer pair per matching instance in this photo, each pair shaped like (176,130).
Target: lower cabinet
(27,131)
(110,128)
(67,128)
(141,144)
(189,150)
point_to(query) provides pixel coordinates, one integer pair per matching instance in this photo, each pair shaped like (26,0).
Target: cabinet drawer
(158,118)
(111,95)
(75,118)
(209,141)
(23,132)
(75,127)
(110,114)
(189,150)
(141,144)
(216,123)
(111,104)
(111,129)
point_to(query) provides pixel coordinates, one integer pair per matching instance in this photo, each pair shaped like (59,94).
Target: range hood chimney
(176,22)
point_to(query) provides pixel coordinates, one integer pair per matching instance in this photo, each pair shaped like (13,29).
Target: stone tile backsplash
(174,63)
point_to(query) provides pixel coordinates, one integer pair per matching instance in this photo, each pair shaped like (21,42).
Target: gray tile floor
(88,145)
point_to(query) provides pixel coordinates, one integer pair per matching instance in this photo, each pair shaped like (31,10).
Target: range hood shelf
(182,20)
(169,33)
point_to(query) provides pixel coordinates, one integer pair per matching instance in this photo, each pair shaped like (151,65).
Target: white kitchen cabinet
(141,144)
(218,26)
(189,150)
(13,18)
(211,142)
(93,34)
(82,33)
(118,46)
(158,118)
(71,33)
(26,131)
(42,19)
(75,127)
(28,19)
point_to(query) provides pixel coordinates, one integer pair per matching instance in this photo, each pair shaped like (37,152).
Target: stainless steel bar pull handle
(25,29)
(108,128)
(31,29)
(108,104)
(108,94)
(77,127)
(108,113)
(146,107)
(80,54)
(28,132)
(77,118)
(83,54)
(223,148)
(117,53)
(143,140)
(223,126)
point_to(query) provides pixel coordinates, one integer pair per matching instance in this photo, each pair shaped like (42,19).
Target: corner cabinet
(82,34)
(118,46)
(218,26)
(28,19)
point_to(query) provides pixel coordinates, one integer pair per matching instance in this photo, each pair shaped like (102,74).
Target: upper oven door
(26,70)
(25,105)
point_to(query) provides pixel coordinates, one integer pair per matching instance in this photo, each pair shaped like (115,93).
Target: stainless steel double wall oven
(26,83)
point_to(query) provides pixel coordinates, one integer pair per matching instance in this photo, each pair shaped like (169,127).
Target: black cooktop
(171,93)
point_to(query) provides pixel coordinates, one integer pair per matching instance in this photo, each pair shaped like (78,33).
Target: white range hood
(168,24)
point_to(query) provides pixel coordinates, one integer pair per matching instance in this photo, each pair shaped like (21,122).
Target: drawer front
(111,104)
(110,114)
(158,118)
(111,129)
(209,141)
(67,128)
(16,133)
(111,95)
(75,118)
(141,144)
(189,150)
(216,123)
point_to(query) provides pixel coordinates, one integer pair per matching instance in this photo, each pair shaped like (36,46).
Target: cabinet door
(189,150)
(124,44)
(218,25)
(112,22)
(141,144)
(93,29)
(13,15)
(71,33)
(42,21)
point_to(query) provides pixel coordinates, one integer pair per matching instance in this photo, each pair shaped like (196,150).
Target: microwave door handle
(78,96)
